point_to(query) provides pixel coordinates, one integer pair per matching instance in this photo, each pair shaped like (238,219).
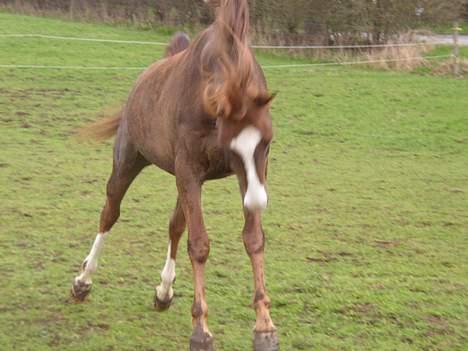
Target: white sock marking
(245,144)
(164,290)
(92,259)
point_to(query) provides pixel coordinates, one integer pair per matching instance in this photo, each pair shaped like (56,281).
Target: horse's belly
(154,141)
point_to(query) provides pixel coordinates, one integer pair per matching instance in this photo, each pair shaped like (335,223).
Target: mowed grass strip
(367,227)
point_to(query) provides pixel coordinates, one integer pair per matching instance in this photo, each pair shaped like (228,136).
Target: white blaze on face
(164,290)
(245,144)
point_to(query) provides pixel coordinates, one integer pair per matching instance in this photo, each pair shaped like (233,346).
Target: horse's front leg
(189,188)
(265,338)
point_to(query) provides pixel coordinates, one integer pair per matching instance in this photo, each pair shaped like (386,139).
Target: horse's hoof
(80,290)
(265,341)
(201,341)
(161,305)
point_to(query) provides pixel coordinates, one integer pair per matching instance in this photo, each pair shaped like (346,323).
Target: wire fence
(95,40)
(155,43)
(266,67)
(310,65)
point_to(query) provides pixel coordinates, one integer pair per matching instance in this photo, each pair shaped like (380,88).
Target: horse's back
(149,115)
(165,101)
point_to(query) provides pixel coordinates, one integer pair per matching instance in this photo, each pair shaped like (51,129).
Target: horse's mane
(232,78)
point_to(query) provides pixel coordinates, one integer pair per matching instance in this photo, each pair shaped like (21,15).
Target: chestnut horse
(201,113)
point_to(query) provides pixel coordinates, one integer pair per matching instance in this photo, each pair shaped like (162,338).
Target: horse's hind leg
(128,163)
(164,292)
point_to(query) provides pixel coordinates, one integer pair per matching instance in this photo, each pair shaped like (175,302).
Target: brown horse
(201,113)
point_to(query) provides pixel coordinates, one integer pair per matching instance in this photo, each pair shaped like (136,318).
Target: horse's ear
(264,99)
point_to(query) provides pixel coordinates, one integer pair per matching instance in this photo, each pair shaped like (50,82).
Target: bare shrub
(446,68)
(400,58)
(329,22)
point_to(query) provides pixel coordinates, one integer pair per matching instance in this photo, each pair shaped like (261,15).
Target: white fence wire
(305,65)
(281,66)
(95,40)
(156,43)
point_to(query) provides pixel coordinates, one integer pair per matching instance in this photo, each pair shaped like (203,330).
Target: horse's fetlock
(90,266)
(199,310)
(261,301)
(259,295)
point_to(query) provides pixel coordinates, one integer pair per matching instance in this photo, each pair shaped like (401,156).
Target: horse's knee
(254,241)
(198,248)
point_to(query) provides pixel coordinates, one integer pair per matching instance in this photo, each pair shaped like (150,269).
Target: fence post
(72,9)
(456,50)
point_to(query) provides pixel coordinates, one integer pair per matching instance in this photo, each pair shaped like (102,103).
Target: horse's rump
(179,42)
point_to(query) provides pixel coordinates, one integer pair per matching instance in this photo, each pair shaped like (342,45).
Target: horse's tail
(101,130)
(230,63)
(179,42)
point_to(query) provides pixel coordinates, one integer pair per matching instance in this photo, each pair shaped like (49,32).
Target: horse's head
(234,92)
(248,141)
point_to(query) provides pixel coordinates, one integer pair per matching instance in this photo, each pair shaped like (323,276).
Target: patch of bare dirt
(387,244)
(327,257)
(437,326)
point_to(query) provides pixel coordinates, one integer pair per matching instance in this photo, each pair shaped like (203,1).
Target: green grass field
(367,227)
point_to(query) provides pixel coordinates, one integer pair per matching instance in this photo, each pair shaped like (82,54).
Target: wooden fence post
(72,9)
(456,51)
